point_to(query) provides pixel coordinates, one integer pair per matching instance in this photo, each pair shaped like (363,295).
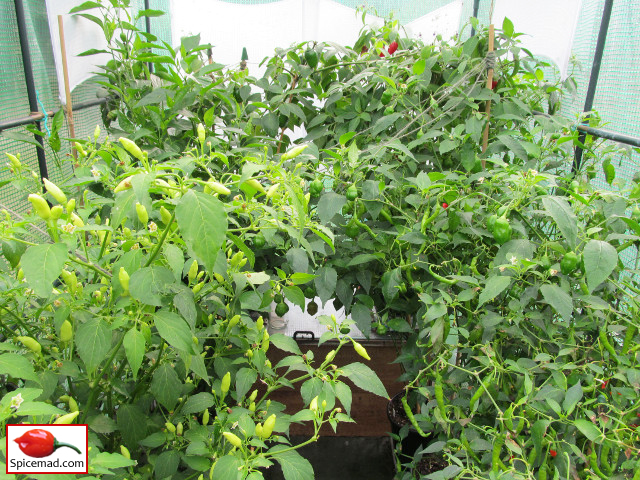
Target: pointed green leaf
(563,215)
(227,468)
(42,264)
(494,287)
(203,223)
(148,284)
(588,429)
(17,366)
(559,299)
(365,378)
(134,348)
(166,386)
(294,466)
(174,330)
(198,403)
(93,341)
(285,343)
(600,258)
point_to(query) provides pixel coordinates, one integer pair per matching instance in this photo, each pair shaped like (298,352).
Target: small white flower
(16,401)
(481,180)
(553,272)
(153,227)
(502,268)
(135,246)
(69,228)
(513,260)
(95,172)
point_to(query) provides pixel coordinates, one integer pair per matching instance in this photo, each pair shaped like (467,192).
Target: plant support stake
(595,72)
(30,83)
(67,88)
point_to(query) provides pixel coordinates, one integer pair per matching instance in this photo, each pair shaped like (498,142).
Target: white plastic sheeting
(261,28)
(80,35)
(444,21)
(549,26)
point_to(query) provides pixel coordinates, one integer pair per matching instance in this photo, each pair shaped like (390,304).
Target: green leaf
(203,223)
(559,299)
(513,145)
(571,399)
(494,287)
(563,215)
(270,124)
(186,305)
(295,296)
(325,283)
(134,348)
(111,460)
(166,465)
(12,251)
(148,284)
(345,137)
(227,468)
(589,430)
(329,205)
(419,67)
(198,403)
(17,366)
(174,330)
(93,341)
(300,278)
(285,343)
(365,378)
(42,264)
(132,424)
(245,378)
(343,392)
(363,258)
(391,280)
(39,408)
(294,466)
(361,314)
(507,27)
(447,145)
(166,386)
(600,258)
(85,6)
(537,433)
(102,424)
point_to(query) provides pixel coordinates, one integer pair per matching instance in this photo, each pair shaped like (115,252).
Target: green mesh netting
(13,92)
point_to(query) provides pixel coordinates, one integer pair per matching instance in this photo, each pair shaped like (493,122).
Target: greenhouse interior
(320,239)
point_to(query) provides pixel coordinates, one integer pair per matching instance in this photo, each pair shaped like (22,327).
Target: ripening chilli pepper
(269,424)
(39,443)
(66,331)
(294,152)
(40,206)
(360,350)
(55,191)
(143,215)
(31,343)
(132,148)
(233,439)
(225,384)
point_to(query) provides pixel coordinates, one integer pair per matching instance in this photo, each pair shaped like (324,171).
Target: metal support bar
(595,73)
(616,137)
(30,82)
(476,8)
(147,25)
(36,117)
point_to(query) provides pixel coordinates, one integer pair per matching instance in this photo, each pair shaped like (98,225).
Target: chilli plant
(129,301)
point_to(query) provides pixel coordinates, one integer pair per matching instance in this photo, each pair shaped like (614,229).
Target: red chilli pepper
(553,453)
(494,84)
(393,46)
(40,443)
(604,384)
(445,205)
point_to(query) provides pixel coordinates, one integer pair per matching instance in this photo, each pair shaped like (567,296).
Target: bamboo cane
(67,89)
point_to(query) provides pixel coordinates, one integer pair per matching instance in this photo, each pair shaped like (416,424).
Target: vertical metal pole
(147,25)
(476,8)
(29,80)
(595,73)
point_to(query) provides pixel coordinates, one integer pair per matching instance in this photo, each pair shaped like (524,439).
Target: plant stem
(155,252)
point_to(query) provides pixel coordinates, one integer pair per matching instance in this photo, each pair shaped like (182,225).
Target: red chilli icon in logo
(40,443)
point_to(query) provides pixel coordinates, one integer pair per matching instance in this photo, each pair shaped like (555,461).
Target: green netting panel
(13,92)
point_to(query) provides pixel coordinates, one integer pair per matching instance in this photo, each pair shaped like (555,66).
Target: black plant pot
(413,441)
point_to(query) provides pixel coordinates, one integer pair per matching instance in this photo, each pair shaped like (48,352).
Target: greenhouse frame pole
(30,83)
(147,27)
(474,14)
(595,73)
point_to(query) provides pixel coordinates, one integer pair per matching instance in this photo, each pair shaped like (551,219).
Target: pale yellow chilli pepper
(125,452)
(269,424)
(225,384)
(55,192)
(123,185)
(255,184)
(216,187)
(360,350)
(15,161)
(193,271)
(123,277)
(294,152)
(31,343)
(202,134)
(132,148)
(67,419)
(56,212)
(66,331)
(232,439)
(40,206)
(143,215)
